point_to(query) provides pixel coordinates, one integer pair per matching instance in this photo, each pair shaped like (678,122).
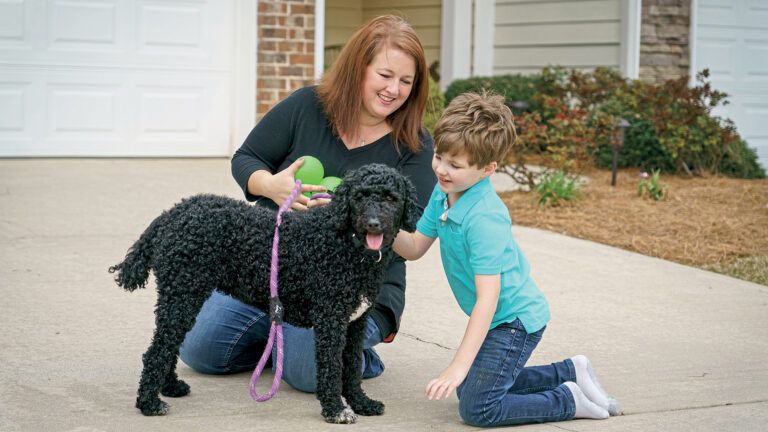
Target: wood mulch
(710,222)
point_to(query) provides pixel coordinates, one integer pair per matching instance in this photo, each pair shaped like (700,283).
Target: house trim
(319,38)
(631,17)
(244,69)
(484,23)
(455,41)
(692,35)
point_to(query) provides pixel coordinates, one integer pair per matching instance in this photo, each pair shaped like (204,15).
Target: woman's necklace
(360,140)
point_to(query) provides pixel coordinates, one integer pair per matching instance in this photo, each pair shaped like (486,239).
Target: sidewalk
(682,349)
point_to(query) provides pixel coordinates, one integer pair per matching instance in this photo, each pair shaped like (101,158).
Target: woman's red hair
(340,89)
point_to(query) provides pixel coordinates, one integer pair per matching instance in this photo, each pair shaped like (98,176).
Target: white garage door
(732,41)
(115,77)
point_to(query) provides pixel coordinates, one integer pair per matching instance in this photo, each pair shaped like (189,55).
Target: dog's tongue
(374,241)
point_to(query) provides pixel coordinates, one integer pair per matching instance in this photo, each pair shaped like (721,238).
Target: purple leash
(275,309)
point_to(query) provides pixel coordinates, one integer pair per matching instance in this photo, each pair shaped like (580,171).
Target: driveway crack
(418,339)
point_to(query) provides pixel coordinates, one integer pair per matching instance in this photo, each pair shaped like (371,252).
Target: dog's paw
(345,416)
(368,407)
(176,389)
(152,408)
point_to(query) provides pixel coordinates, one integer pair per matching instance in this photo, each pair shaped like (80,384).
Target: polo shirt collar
(470,197)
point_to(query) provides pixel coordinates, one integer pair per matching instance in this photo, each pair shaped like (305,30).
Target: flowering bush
(571,116)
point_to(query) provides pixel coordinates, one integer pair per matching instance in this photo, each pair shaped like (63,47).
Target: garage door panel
(116,78)
(718,46)
(164,26)
(149,114)
(81,25)
(171,110)
(13,24)
(187,118)
(732,41)
(123,33)
(13,103)
(182,32)
(757,66)
(717,12)
(82,108)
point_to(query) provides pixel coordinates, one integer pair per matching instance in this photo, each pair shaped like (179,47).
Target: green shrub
(740,161)
(571,114)
(435,106)
(641,149)
(564,143)
(672,125)
(513,87)
(555,187)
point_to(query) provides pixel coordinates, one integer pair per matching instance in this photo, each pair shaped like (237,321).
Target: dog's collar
(376,255)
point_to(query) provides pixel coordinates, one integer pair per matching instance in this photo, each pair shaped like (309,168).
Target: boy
(490,279)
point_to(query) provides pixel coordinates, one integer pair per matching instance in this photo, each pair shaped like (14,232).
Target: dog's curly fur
(325,271)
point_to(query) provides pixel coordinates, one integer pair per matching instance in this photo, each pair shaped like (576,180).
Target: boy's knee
(473,413)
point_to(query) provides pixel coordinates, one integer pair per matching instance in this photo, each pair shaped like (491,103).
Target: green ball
(311,171)
(330,183)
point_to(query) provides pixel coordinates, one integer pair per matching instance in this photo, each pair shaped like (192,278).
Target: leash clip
(276,310)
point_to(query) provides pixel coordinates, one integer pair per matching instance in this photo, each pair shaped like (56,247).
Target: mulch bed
(708,222)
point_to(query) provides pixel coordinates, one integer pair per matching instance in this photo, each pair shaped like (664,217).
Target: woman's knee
(301,375)
(299,368)
(223,336)
(200,362)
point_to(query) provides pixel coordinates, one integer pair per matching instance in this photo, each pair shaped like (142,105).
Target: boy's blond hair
(480,125)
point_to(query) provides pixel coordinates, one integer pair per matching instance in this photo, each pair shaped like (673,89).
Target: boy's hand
(442,386)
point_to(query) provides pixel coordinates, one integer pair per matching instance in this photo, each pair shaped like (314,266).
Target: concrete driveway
(682,349)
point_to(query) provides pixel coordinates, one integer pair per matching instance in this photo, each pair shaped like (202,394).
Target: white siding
(578,34)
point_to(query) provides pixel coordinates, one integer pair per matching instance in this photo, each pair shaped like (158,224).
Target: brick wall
(286,50)
(664,47)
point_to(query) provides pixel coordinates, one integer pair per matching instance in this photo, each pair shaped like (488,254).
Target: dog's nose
(373,224)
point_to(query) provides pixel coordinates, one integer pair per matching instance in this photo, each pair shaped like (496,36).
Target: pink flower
(644,175)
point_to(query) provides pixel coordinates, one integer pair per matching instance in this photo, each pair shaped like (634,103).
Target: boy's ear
(490,168)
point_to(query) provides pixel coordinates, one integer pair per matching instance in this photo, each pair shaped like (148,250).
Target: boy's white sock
(586,379)
(585,408)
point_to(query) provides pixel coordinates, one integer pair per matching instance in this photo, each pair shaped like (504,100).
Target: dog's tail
(133,272)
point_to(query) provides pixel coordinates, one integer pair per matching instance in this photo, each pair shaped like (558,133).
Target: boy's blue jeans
(499,390)
(229,336)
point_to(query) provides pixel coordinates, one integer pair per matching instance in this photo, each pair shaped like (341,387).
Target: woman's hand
(442,386)
(318,202)
(278,188)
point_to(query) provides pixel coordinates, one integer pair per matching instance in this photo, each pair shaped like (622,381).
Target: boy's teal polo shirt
(476,238)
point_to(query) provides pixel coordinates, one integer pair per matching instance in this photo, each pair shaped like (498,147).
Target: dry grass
(716,223)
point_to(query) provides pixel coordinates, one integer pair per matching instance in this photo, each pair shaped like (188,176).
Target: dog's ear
(410,209)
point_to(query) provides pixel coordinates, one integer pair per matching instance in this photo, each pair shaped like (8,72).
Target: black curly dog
(331,263)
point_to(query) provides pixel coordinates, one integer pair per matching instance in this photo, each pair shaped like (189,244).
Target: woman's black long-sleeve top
(298,126)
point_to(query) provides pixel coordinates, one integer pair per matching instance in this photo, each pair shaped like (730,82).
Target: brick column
(286,50)
(664,44)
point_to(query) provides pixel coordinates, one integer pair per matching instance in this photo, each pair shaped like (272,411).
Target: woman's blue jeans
(500,390)
(229,336)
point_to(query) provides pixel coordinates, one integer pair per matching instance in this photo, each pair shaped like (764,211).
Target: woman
(367,108)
